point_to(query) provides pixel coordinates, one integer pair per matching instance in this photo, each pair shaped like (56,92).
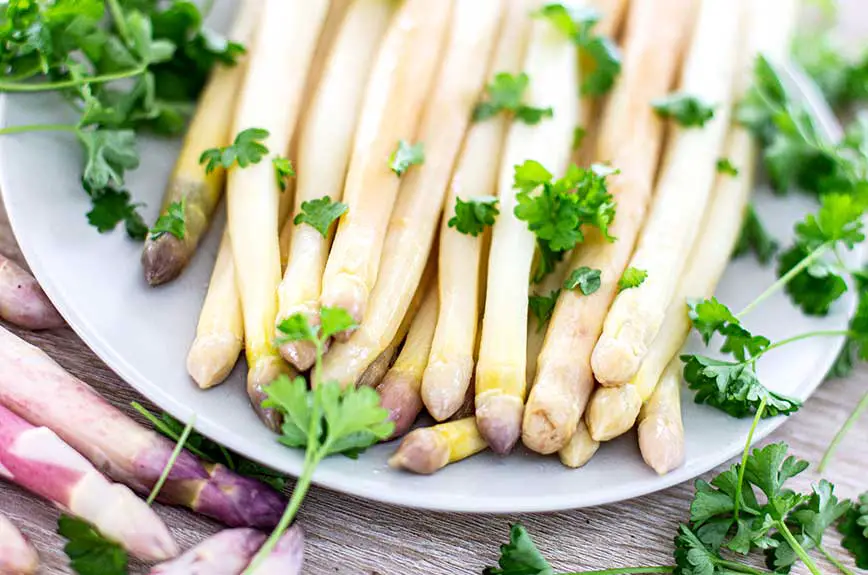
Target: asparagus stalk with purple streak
(22,301)
(166,255)
(17,555)
(429,449)
(38,460)
(226,553)
(286,558)
(39,390)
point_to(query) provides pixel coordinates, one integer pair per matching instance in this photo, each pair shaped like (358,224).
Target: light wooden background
(346,535)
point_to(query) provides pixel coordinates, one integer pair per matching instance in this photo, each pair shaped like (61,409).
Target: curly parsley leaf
(506,93)
(89,552)
(320,214)
(688,111)
(725,166)
(520,556)
(632,278)
(471,217)
(741,343)
(854,527)
(405,156)
(814,289)
(754,237)
(110,153)
(283,170)
(709,316)
(584,279)
(856,345)
(110,208)
(247,149)
(543,306)
(174,221)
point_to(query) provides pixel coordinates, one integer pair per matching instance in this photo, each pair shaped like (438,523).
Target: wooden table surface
(346,535)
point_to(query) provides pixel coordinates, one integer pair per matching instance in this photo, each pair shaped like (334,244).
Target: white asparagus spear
(686,179)
(38,460)
(226,553)
(630,138)
(413,225)
(17,555)
(165,257)
(429,449)
(324,154)
(270,98)
(450,365)
(400,82)
(501,385)
(613,410)
(661,430)
(579,449)
(22,301)
(536,333)
(400,389)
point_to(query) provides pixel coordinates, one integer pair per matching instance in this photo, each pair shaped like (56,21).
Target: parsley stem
(845,429)
(800,551)
(120,21)
(172,459)
(71,83)
(784,279)
(627,571)
(38,128)
(739,567)
(834,561)
(810,334)
(738,486)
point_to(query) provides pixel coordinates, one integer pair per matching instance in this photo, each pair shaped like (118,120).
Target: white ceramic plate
(143,334)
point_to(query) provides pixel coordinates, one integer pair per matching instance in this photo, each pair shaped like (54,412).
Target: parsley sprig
(405,156)
(506,94)
(247,149)
(474,215)
(89,552)
(174,221)
(320,214)
(687,110)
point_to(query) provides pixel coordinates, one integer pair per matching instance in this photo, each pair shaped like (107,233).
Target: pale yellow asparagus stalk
(414,223)
(536,333)
(661,430)
(579,449)
(165,257)
(270,98)
(220,332)
(501,384)
(17,555)
(400,389)
(430,449)
(683,189)
(612,12)
(450,365)
(613,410)
(400,83)
(324,154)
(630,138)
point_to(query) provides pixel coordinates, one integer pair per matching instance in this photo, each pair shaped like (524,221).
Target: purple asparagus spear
(36,459)
(22,301)
(39,390)
(226,553)
(17,555)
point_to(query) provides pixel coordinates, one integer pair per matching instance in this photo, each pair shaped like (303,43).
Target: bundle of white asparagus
(408,120)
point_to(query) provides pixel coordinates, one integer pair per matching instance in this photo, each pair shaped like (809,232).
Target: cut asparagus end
(614,362)
(17,555)
(264,371)
(661,441)
(612,411)
(164,258)
(399,393)
(445,385)
(212,358)
(22,301)
(498,418)
(228,553)
(423,451)
(580,448)
(549,421)
(287,557)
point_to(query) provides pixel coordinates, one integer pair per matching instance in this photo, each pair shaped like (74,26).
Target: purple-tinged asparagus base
(287,557)
(226,553)
(17,555)
(400,395)
(36,459)
(22,301)
(40,391)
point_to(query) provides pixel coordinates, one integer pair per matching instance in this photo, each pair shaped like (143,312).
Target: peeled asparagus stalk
(324,154)
(220,332)
(226,553)
(535,332)
(685,183)
(630,137)
(270,98)
(17,555)
(613,410)
(579,449)
(38,460)
(450,365)
(400,82)
(501,384)
(400,389)
(287,556)
(413,225)
(661,430)
(40,391)
(612,15)
(166,257)
(430,449)
(22,301)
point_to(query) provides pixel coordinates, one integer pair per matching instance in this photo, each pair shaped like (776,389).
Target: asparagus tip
(300,354)
(163,259)
(614,362)
(422,451)
(579,449)
(399,393)
(261,374)
(212,358)
(498,418)
(613,411)
(443,388)
(661,441)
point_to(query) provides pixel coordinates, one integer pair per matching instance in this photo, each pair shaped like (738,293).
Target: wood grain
(351,536)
